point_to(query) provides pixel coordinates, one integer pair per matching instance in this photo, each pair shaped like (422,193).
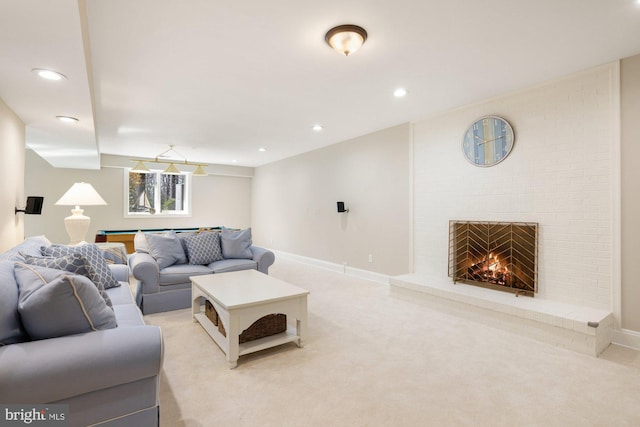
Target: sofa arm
(58,368)
(264,257)
(146,270)
(120,271)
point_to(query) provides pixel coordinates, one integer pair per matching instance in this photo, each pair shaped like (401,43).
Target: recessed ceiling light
(400,92)
(67,119)
(49,74)
(262,149)
(317,128)
(234,161)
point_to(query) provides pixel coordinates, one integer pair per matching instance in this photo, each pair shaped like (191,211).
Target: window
(157,194)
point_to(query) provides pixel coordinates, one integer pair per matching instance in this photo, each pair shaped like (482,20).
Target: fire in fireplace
(496,255)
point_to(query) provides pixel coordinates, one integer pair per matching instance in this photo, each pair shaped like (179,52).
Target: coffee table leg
(232,341)
(301,322)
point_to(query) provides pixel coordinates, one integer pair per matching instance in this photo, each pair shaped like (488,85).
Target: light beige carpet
(372,359)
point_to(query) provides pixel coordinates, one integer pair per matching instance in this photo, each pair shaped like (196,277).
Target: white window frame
(161,214)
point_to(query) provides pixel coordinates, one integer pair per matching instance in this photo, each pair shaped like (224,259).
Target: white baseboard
(626,338)
(338,268)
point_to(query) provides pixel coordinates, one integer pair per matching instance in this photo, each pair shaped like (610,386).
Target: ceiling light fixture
(140,167)
(346,39)
(317,128)
(49,74)
(400,92)
(262,149)
(67,119)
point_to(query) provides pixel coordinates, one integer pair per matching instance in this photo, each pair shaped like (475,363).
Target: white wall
(294,203)
(559,174)
(217,200)
(630,135)
(12,133)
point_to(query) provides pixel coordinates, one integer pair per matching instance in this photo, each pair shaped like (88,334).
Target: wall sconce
(34,206)
(341,207)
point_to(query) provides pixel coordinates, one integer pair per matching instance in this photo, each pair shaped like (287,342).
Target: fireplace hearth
(496,255)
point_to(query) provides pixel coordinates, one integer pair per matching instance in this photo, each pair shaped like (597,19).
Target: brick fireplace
(560,174)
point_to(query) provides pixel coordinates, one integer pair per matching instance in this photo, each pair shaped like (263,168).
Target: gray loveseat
(108,377)
(163,263)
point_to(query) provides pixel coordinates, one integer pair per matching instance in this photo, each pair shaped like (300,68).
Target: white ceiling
(221,79)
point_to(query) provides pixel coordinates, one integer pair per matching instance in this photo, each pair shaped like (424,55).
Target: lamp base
(77,226)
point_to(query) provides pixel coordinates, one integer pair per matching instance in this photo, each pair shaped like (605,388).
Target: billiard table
(127,236)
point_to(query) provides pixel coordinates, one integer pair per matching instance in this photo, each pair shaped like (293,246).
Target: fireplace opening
(496,255)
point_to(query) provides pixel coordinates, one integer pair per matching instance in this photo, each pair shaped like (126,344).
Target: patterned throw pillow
(99,271)
(54,303)
(203,248)
(73,263)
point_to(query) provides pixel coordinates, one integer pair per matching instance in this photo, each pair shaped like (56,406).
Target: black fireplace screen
(496,255)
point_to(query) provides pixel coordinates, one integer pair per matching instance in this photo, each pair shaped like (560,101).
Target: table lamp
(80,193)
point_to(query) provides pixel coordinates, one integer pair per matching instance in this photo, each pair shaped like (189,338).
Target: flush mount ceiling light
(262,149)
(317,128)
(49,74)
(140,167)
(346,39)
(67,119)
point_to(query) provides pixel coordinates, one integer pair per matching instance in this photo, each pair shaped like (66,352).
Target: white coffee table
(241,298)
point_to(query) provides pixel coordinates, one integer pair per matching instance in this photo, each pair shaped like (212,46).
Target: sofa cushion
(11,330)
(236,244)
(176,274)
(99,271)
(166,249)
(128,315)
(120,295)
(53,303)
(73,263)
(30,246)
(226,265)
(203,248)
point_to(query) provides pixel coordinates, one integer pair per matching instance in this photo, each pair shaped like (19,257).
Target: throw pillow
(99,271)
(236,244)
(203,248)
(11,330)
(30,245)
(73,263)
(140,243)
(166,249)
(53,303)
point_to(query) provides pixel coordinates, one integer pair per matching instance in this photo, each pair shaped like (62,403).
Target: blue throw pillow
(11,330)
(99,271)
(236,244)
(203,248)
(53,303)
(166,249)
(30,246)
(73,263)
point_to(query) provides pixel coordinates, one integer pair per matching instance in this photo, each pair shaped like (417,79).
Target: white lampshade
(77,224)
(81,193)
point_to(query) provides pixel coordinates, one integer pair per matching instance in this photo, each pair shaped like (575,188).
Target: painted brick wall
(559,174)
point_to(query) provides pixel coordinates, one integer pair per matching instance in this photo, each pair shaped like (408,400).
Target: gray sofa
(108,377)
(163,287)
